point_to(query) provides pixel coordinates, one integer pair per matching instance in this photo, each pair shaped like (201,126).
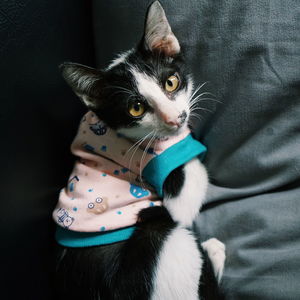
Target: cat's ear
(85,82)
(158,35)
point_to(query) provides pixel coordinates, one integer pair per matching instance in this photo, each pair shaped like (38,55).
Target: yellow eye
(136,109)
(172,83)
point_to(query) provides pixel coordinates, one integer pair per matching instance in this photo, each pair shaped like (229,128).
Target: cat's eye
(136,109)
(172,83)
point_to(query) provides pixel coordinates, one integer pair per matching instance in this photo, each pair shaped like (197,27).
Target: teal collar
(158,168)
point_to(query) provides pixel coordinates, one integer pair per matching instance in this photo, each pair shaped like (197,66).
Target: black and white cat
(162,260)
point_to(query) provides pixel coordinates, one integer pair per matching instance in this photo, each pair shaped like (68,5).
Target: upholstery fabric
(249,53)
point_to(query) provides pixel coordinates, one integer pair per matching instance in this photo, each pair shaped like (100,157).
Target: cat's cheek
(149,121)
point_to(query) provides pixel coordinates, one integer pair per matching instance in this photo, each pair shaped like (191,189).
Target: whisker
(134,145)
(212,99)
(200,86)
(134,151)
(201,108)
(194,105)
(206,93)
(199,96)
(197,116)
(144,155)
(130,161)
(197,102)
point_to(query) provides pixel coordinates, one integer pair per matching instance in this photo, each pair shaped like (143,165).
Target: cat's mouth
(167,130)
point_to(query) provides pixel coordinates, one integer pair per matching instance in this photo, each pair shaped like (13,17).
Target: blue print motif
(88,147)
(64,218)
(71,187)
(72,183)
(98,128)
(138,192)
(124,170)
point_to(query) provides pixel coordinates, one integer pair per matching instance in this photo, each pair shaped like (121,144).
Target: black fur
(208,288)
(174,182)
(121,271)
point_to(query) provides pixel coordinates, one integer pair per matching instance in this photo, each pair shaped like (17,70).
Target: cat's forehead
(152,65)
(139,58)
(131,69)
(119,60)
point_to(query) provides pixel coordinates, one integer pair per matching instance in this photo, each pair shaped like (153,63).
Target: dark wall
(38,119)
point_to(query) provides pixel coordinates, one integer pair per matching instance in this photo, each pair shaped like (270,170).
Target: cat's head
(144,91)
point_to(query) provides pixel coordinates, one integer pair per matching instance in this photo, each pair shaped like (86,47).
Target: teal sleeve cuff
(158,169)
(74,239)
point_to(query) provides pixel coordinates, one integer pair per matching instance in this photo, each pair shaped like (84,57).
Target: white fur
(185,207)
(121,58)
(179,268)
(164,107)
(216,253)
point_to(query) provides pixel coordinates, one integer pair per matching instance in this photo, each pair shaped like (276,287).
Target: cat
(146,92)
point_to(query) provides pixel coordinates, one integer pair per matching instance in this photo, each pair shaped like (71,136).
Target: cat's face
(145,92)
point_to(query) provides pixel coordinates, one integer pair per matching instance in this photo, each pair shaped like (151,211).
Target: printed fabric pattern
(106,189)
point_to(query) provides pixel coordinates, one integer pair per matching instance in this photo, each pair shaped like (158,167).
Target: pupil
(170,83)
(136,107)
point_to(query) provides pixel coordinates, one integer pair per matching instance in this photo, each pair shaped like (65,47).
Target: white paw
(216,253)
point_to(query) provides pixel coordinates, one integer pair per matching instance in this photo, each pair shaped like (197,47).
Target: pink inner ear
(168,45)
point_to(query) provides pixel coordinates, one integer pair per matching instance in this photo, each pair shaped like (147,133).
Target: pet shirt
(112,180)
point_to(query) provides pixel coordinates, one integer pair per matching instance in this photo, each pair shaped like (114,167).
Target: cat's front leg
(185,192)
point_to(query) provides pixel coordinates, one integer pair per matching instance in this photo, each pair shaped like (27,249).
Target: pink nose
(174,122)
(169,121)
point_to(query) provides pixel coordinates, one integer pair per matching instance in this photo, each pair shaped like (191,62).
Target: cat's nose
(177,122)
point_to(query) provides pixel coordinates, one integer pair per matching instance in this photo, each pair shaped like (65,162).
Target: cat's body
(146,94)
(161,261)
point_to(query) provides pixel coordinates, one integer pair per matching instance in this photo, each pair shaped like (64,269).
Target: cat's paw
(216,253)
